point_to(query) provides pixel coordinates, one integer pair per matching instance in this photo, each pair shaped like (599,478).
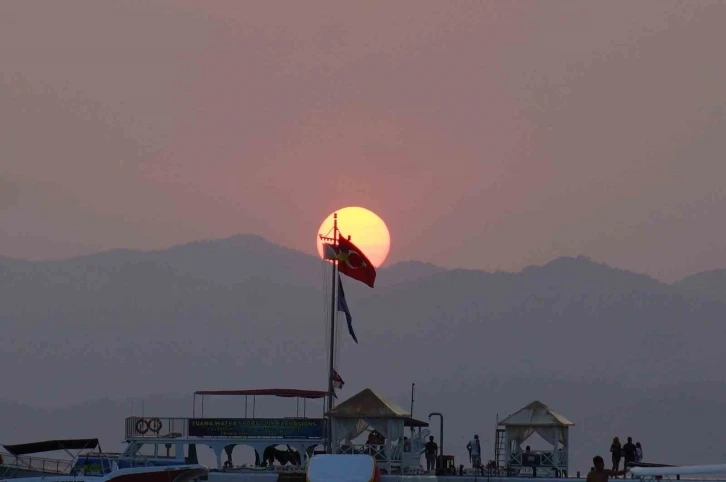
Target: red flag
(352,262)
(337,381)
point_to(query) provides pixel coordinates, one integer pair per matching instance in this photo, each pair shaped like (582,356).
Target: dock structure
(286,443)
(174,439)
(513,432)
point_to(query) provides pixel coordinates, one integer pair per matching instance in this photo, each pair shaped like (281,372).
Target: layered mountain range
(613,350)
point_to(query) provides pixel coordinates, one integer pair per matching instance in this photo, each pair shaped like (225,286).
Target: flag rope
(326,307)
(336,360)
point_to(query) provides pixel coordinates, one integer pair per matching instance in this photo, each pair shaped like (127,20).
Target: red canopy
(271,392)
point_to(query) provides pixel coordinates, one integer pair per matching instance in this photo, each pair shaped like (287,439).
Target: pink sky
(488,135)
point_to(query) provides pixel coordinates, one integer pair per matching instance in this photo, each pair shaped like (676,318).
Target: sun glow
(366,229)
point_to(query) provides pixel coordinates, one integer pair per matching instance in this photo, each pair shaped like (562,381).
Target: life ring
(142,426)
(155,425)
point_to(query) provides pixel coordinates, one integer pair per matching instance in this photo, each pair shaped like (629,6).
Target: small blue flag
(343,306)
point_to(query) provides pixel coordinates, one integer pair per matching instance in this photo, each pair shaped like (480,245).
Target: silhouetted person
(638,453)
(628,453)
(599,473)
(375,438)
(432,451)
(617,451)
(474,448)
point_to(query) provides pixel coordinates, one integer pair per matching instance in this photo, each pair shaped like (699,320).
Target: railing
(156,427)
(378,452)
(395,459)
(541,458)
(36,464)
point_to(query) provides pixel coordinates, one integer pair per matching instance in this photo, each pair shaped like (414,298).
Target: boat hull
(183,473)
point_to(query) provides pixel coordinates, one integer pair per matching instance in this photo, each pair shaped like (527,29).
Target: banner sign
(257,427)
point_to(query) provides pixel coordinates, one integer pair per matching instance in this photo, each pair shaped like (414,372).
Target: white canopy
(368,409)
(537,418)
(536,414)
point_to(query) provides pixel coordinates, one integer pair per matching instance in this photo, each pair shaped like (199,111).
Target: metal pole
(412,387)
(441,434)
(331,368)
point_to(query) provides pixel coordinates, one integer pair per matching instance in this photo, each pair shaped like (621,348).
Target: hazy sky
(487,134)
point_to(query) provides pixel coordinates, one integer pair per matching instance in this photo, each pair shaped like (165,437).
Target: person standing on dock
(617,451)
(474,448)
(638,453)
(599,473)
(629,453)
(432,450)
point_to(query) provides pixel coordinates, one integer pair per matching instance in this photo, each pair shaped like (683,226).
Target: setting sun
(366,229)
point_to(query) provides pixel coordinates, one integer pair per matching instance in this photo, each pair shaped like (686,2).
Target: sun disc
(366,229)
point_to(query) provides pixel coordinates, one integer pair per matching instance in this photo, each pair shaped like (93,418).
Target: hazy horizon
(490,135)
(315,255)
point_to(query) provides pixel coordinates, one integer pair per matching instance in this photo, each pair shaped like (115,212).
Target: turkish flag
(352,262)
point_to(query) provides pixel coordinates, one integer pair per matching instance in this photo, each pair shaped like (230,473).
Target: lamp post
(441,434)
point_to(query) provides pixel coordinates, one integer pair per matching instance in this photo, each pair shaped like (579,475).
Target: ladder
(500,449)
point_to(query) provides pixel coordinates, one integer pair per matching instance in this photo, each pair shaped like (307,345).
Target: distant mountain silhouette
(243,312)
(710,284)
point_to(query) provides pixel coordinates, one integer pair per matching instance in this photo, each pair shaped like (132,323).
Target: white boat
(179,473)
(28,459)
(658,472)
(85,462)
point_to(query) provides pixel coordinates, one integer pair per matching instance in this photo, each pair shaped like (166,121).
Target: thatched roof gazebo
(368,409)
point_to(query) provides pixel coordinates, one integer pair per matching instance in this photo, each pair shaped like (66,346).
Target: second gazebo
(537,418)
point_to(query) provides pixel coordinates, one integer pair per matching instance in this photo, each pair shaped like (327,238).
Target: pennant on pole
(337,381)
(343,306)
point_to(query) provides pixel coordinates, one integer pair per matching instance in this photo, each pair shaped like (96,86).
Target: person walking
(474,448)
(432,451)
(617,452)
(629,453)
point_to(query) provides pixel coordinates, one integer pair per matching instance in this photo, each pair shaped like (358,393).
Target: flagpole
(333,310)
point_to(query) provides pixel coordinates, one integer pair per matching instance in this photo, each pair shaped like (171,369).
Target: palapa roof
(536,414)
(369,404)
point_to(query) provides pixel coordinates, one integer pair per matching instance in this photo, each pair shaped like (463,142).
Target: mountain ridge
(257,241)
(143,307)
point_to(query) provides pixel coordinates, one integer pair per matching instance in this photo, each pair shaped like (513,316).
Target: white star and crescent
(345,257)
(347,260)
